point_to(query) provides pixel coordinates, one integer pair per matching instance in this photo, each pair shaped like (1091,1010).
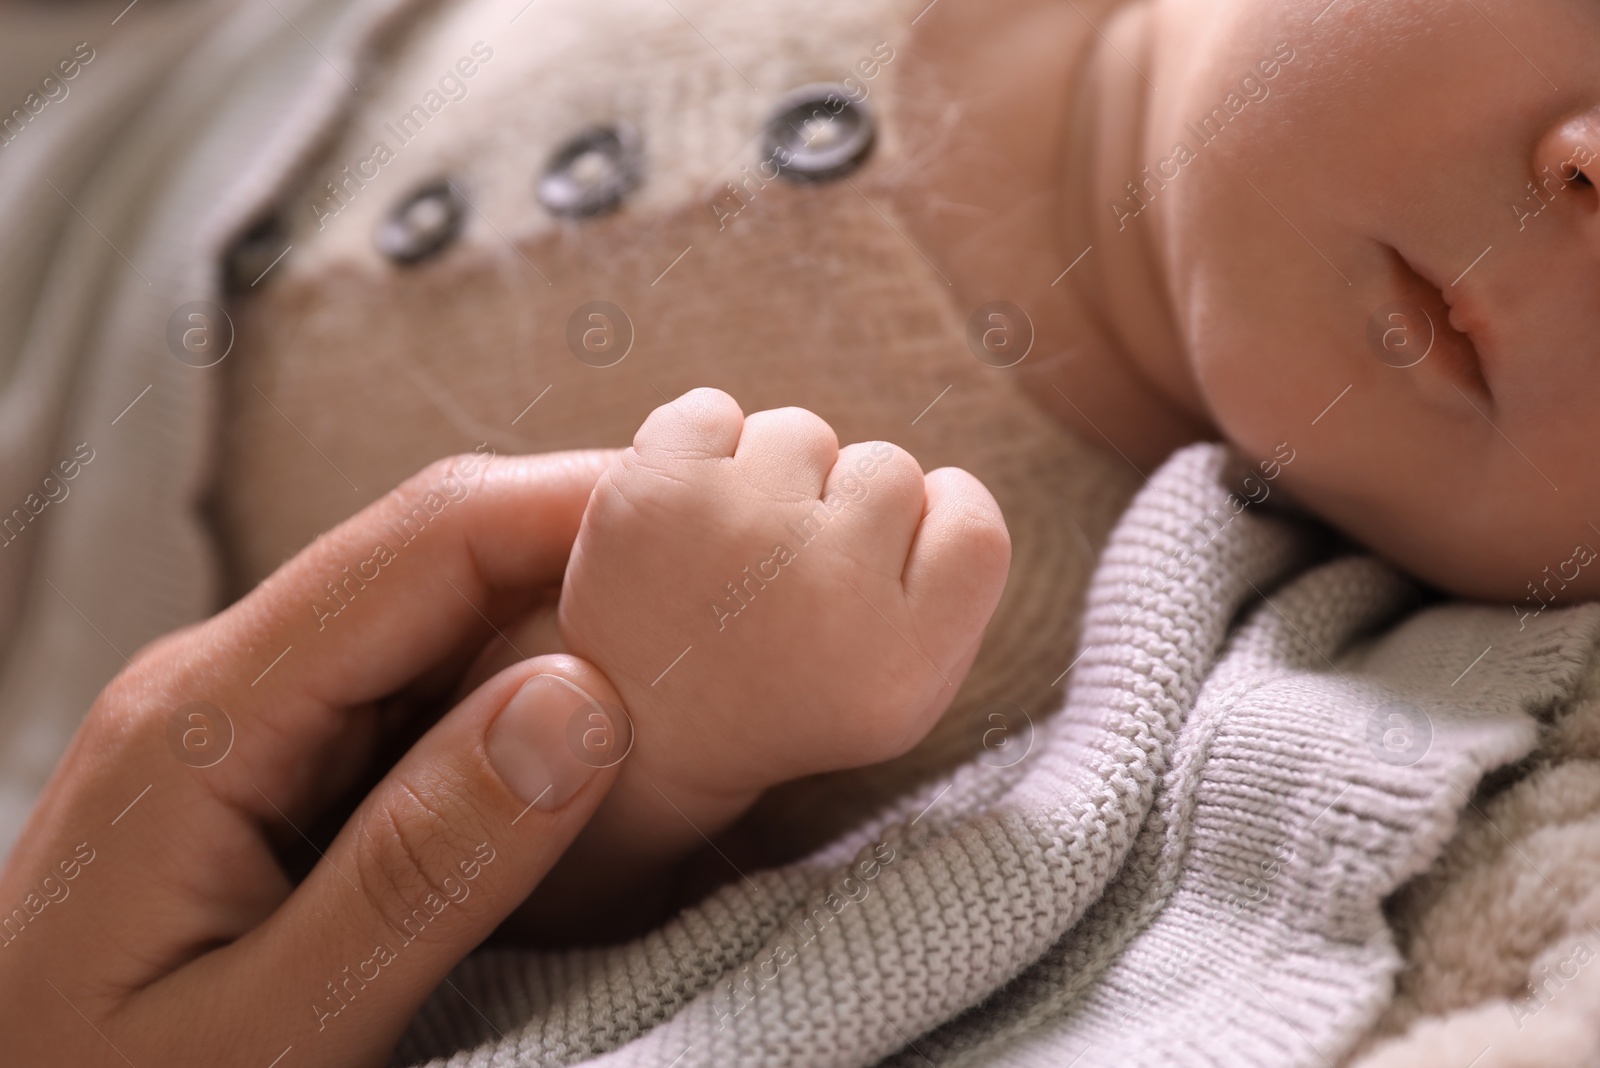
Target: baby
(1367,230)
(1327,235)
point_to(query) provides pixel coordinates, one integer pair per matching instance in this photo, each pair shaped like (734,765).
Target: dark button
(593,173)
(818,133)
(254,254)
(423,223)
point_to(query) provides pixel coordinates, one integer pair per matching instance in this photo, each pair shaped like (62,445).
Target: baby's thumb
(440,852)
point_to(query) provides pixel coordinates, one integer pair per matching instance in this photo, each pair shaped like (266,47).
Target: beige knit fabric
(1502,933)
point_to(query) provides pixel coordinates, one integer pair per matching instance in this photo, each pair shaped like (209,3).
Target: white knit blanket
(1257,745)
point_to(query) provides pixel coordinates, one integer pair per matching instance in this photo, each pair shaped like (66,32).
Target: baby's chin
(1532,572)
(1528,578)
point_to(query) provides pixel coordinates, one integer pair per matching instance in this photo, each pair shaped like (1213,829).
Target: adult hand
(146,913)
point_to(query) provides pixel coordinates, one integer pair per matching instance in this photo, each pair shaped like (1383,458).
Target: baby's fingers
(957,565)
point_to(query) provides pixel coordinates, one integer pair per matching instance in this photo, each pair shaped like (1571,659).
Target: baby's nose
(1566,164)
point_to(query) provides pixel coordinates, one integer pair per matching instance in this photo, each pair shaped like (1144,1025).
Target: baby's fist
(769,605)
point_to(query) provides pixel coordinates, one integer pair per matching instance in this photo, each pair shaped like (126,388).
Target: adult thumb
(437,855)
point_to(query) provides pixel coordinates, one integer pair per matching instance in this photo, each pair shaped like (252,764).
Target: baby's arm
(768,606)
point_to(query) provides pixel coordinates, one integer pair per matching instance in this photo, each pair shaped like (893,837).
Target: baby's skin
(768,606)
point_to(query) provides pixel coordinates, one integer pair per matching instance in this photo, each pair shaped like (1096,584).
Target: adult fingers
(240,709)
(401,582)
(365,609)
(538,633)
(457,835)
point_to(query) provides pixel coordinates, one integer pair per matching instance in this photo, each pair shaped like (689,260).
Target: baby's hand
(768,606)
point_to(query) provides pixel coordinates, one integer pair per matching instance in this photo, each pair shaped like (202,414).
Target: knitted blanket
(1185,867)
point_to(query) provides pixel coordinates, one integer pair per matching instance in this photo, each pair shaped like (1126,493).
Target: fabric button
(818,133)
(422,224)
(593,172)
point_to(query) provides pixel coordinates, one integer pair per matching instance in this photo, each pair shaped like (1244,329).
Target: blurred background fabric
(116,200)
